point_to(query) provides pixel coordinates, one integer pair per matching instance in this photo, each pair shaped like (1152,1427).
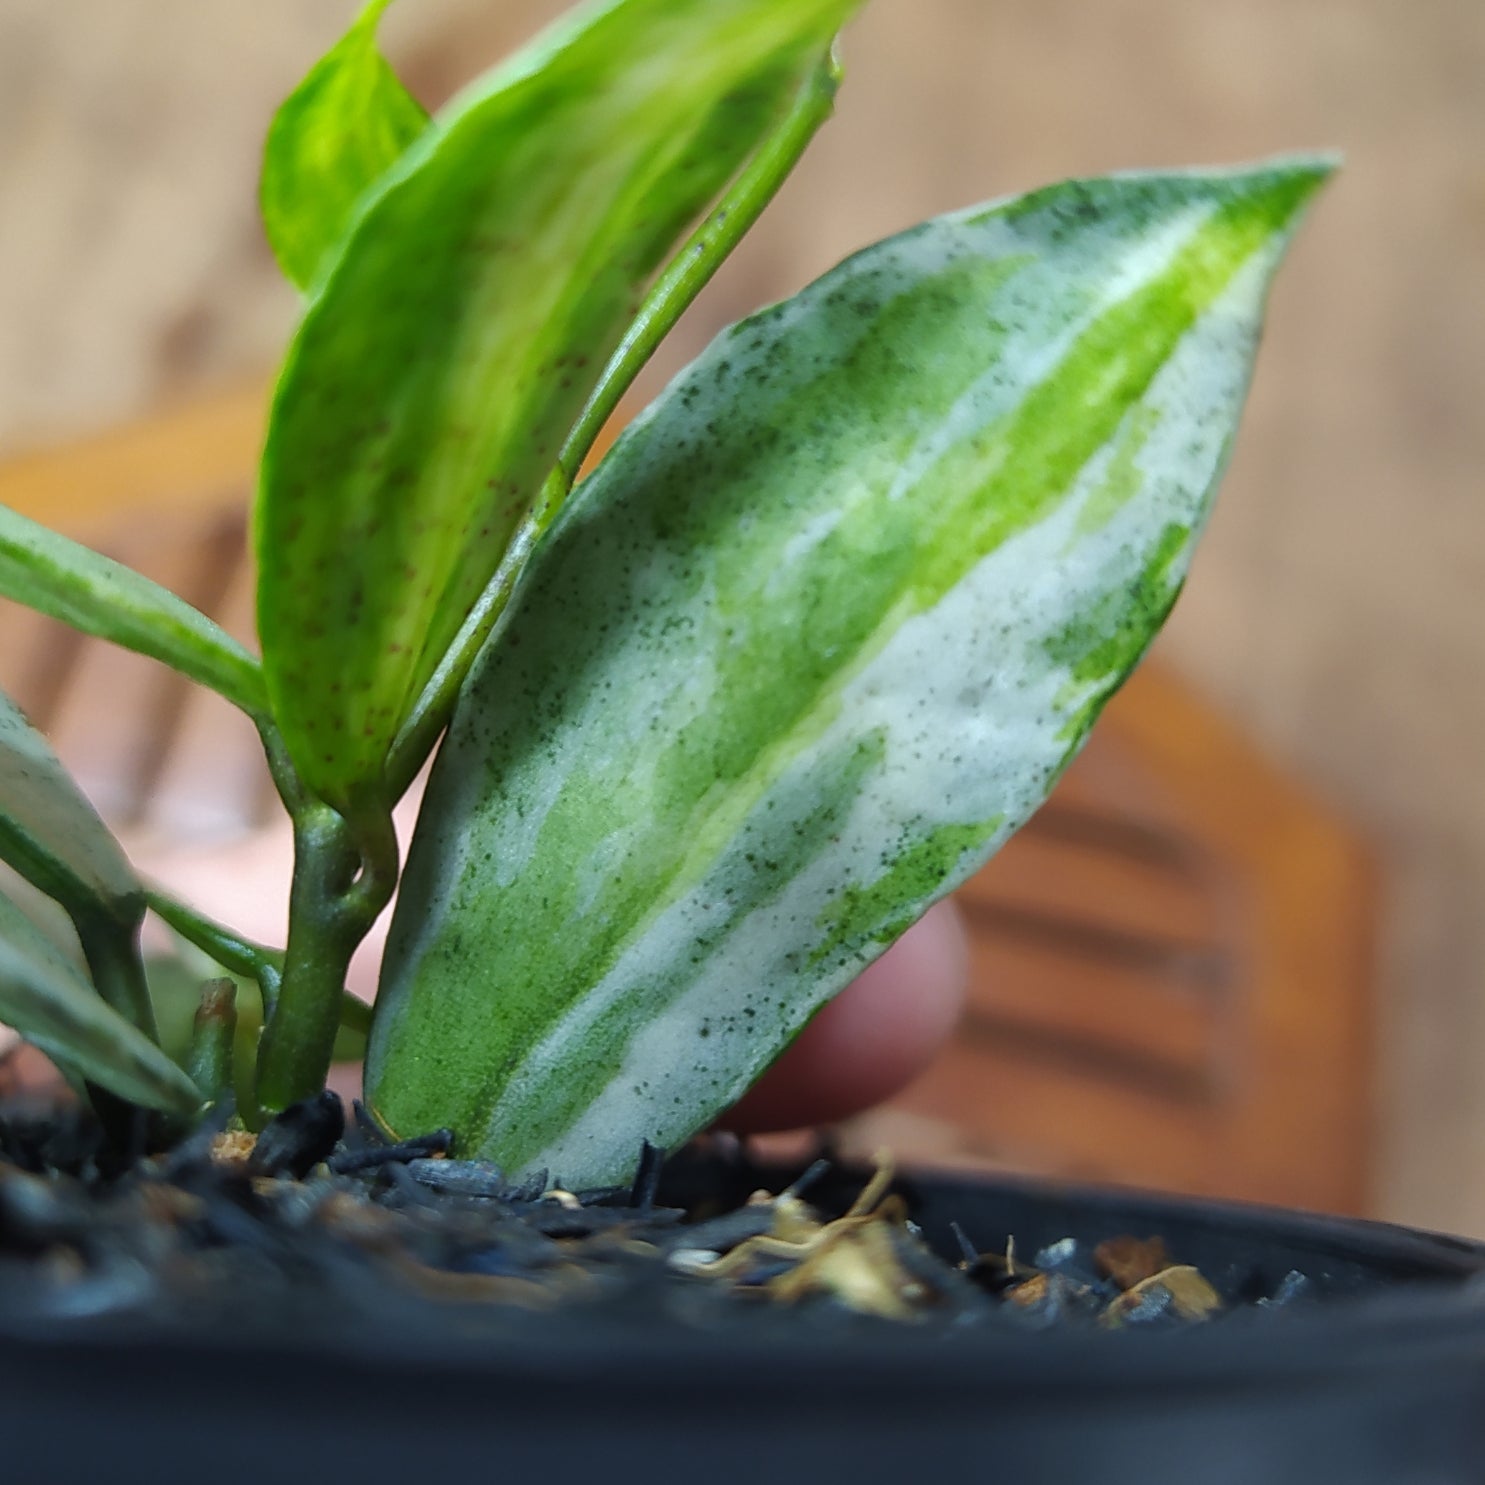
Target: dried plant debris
(334,1218)
(870,1260)
(1121,1281)
(1178,1288)
(1129,1261)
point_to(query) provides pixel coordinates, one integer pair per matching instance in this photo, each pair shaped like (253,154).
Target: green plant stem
(213,1032)
(683,279)
(237,955)
(354,1014)
(343,877)
(281,768)
(708,247)
(107,927)
(241,956)
(117,967)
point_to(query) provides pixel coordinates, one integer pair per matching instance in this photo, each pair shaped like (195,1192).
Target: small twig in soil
(347,1162)
(812,1173)
(969,1254)
(299,1138)
(646,1177)
(366,1124)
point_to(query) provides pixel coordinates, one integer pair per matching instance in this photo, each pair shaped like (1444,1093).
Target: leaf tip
(1310,169)
(1287,183)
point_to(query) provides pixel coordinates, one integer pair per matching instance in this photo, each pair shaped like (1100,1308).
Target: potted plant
(713,726)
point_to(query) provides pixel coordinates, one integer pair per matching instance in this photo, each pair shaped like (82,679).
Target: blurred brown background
(1338,609)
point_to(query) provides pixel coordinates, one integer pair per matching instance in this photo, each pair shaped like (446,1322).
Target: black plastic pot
(1382,1379)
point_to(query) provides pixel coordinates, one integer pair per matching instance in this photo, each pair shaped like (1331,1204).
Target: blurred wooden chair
(1170,965)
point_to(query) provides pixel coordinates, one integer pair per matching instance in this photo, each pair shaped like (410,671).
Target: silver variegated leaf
(820,633)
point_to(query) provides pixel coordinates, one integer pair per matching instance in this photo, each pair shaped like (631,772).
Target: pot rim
(1431,1319)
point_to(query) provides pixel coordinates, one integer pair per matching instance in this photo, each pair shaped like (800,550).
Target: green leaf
(59,577)
(346,124)
(52,835)
(698,259)
(462,326)
(687,273)
(44,998)
(819,633)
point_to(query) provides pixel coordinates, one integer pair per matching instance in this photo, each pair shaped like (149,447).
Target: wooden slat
(1063,1118)
(214,783)
(1307,1121)
(37,655)
(192,459)
(1107,782)
(1170,1022)
(1115,874)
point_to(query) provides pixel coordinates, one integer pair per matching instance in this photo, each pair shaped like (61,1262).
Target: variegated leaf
(463,322)
(43,997)
(332,138)
(821,631)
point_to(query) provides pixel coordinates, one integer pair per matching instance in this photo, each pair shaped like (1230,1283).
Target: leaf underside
(461,325)
(821,631)
(52,835)
(43,997)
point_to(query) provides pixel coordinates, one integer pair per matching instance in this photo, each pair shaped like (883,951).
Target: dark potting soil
(327,1221)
